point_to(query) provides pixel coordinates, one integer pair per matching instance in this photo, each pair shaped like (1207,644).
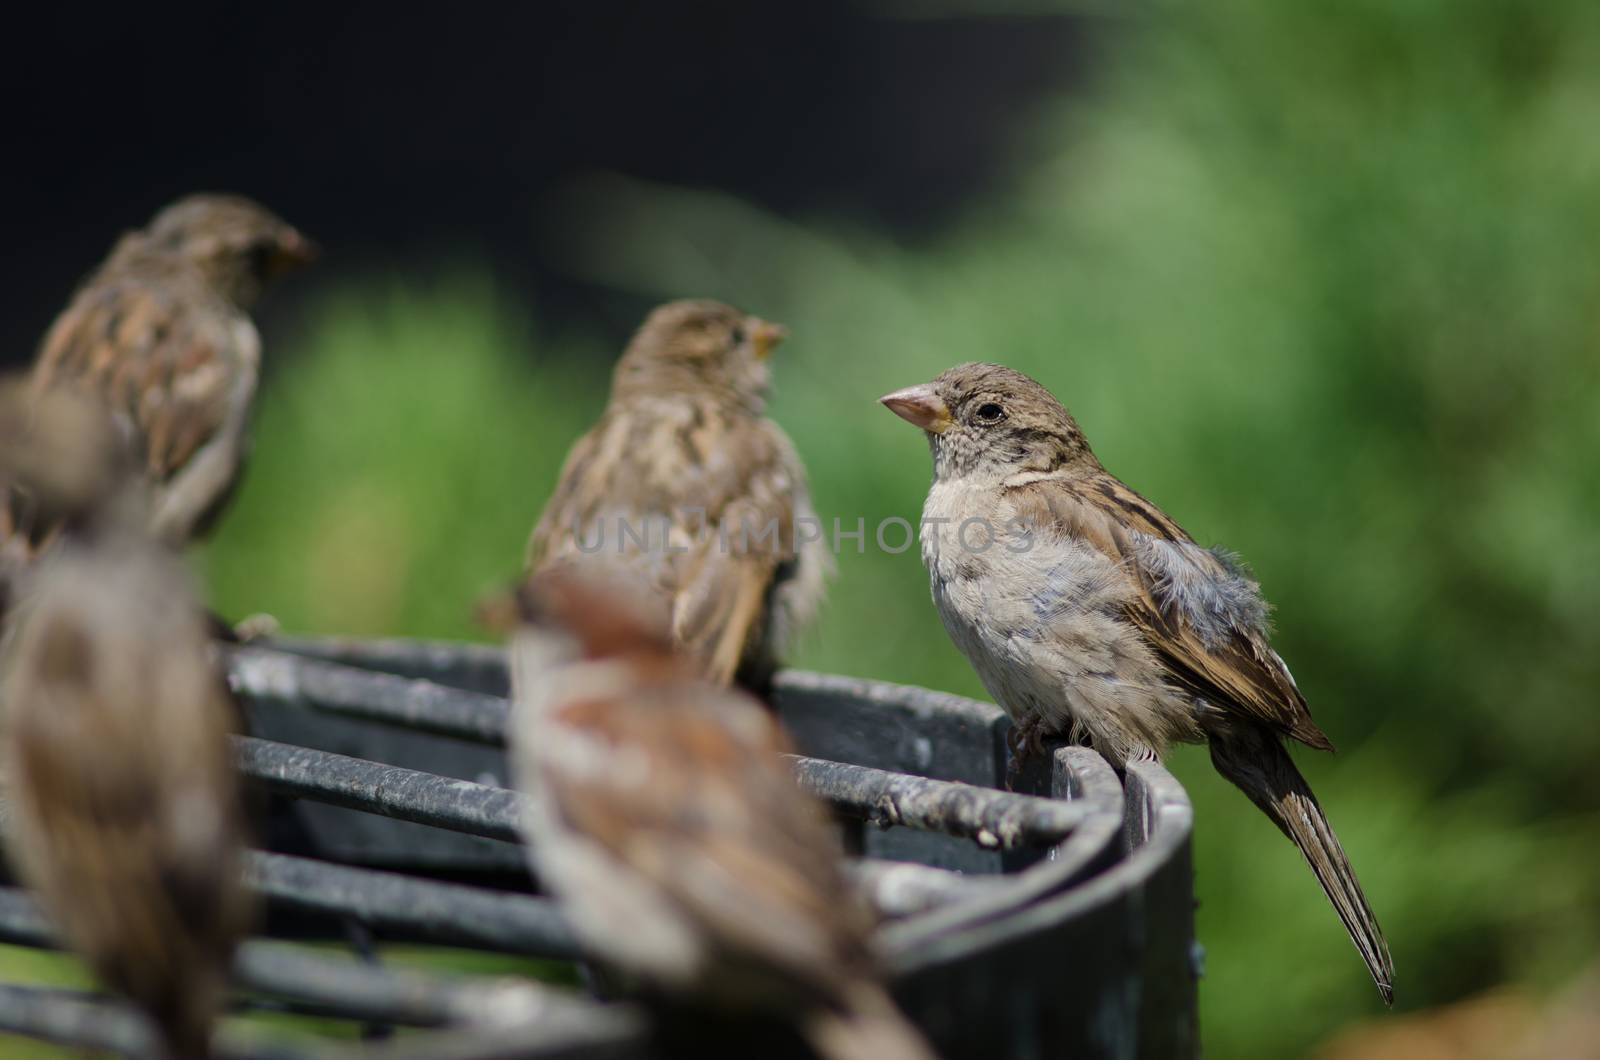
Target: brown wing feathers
(1241,671)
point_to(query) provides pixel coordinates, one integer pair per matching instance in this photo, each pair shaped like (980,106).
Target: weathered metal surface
(459,664)
(283,679)
(408,907)
(1021,927)
(342,987)
(904,888)
(87,1021)
(350,988)
(73,1019)
(407,794)
(995,820)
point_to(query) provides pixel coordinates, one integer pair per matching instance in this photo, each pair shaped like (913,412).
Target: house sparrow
(1088,612)
(123,805)
(160,335)
(665,820)
(685,487)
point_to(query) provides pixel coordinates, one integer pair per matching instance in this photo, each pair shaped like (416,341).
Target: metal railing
(1057,921)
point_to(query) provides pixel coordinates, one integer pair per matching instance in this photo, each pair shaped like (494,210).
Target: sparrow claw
(256,627)
(1025,742)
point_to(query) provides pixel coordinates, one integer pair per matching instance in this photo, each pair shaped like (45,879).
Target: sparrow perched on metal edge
(665,819)
(123,806)
(683,485)
(1088,612)
(160,335)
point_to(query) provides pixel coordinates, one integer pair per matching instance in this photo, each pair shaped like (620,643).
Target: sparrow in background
(665,819)
(124,810)
(684,486)
(1088,612)
(160,335)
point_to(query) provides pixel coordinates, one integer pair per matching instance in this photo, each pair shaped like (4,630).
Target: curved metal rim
(1081,875)
(1027,903)
(1079,775)
(1168,825)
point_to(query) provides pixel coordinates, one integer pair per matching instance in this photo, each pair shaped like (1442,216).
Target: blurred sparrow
(1088,612)
(665,820)
(123,805)
(160,335)
(685,487)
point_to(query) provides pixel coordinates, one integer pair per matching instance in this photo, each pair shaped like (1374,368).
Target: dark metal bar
(343,988)
(74,1019)
(21,922)
(994,819)
(903,888)
(982,972)
(625,1038)
(103,1024)
(889,726)
(1093,788)
(340,987)
(536,1024)
(291,680)
(428,909)
(458,664)
(346,988)
(405,794)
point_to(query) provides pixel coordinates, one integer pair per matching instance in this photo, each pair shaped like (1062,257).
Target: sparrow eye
(989,412)
(738,335)
(261,257)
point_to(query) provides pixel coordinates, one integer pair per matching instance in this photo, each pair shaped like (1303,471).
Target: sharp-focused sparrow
(124,813)
(664,818)
(1088,612)
(684,486)
(160,335)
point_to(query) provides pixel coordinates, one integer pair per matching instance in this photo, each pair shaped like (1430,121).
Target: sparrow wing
(574,502)
(699,505)
(724,583)
(166,355)
(1196,607)
(697,800)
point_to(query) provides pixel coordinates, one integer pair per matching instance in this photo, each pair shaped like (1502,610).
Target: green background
(1321,280)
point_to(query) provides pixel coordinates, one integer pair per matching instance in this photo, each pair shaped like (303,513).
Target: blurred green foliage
(1320,279)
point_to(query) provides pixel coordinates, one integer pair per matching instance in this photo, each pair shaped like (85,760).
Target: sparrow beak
(498,612)
(920,406)
(765,336)
(293,251)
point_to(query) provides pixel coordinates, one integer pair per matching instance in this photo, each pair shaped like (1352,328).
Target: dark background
(1321,280)
(404,135)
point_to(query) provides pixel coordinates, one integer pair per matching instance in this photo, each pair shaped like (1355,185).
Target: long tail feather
(1256,761)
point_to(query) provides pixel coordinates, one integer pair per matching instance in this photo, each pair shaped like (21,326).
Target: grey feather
(1210,588)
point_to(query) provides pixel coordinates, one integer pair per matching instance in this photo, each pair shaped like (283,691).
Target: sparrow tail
(867,1026)
(1255,760)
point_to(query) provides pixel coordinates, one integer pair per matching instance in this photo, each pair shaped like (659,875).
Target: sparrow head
(700,346)
(61,454)
(239,245)
(990,420)
(605,616)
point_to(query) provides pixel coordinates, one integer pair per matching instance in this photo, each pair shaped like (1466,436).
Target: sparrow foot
(1025,742)
(255,627)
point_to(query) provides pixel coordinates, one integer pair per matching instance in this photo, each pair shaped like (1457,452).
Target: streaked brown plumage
(666,821)
(160,335)
(123,808)
(678,484)
(1090,612)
